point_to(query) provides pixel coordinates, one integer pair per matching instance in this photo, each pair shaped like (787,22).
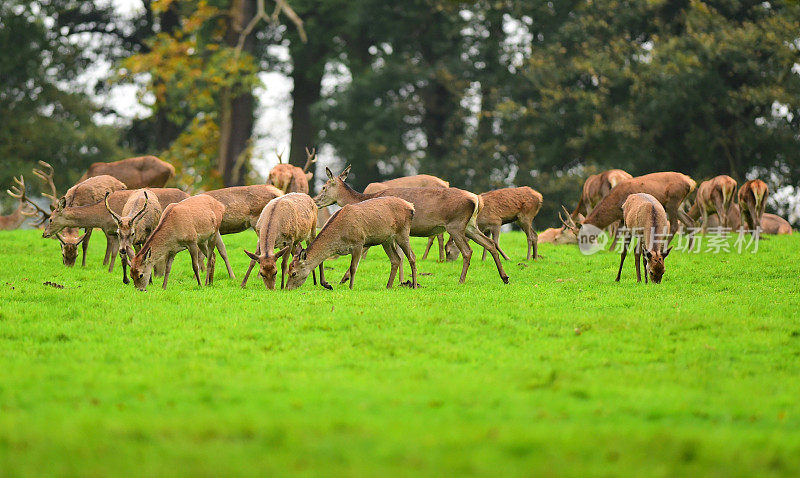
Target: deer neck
(605,213)
(349,195)
(320,249)
(93,215)
(269,235)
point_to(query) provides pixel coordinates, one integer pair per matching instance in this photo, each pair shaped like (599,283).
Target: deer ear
(303,255)
(328,172)
(60,239)
(283,251)
(343,174)
(62,203)
(251,255)
(666,253)
(648,254)
(80,239)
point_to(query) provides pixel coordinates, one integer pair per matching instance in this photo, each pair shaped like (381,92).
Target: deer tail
(478,206)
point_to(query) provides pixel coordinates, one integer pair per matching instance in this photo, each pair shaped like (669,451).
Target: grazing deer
(436,210)
(291,179)
(644,213)
(669,188)
(752,201)
(96,215)
(770,223)
(504,206)
(713,196)
(285,222)
(384,220)
(243,205)
(136,173)
(191,224)
(138,220)
(417,181)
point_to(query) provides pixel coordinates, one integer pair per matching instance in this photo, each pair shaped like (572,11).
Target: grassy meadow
(563,372)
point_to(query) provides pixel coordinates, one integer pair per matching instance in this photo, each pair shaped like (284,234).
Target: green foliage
(563,371)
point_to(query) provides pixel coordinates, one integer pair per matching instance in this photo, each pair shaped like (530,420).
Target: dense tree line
(483,93)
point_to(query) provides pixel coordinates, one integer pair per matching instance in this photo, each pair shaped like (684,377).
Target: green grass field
(563,372)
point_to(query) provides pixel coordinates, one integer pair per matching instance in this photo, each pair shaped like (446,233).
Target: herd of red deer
(146,224)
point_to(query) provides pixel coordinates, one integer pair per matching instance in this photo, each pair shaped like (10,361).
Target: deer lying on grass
(191,224)
(669,188)
(291,179)
(504,206)
(417,181)
(384,220)
(136,173)
(285,222)
(436,210)
(644,213)
(96,215)
(713,196)
(557,236)
(770,223)
(138,220)
(752,201)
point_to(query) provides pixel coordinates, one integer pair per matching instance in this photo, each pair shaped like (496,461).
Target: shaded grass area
(562,372)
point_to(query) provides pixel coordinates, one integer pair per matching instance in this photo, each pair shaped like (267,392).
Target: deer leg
(108,249)
(704,214)
(721,212)
(284,263)
(466,253)
(224,254)
(450,246)
(473,233)
(250,267)
(167,268)
(428,248)
(212,261)
(625,242)
(440,238)
(322,280)
(355,256)
(124,263)
(405,244)
(496,240)
(645,269)
(637,254)
(85,244)
(346,275)
(114,241)
(533,238)
(394,258)
(194,252)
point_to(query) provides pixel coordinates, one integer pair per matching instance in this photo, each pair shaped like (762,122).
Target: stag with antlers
(139,218)
(291,179)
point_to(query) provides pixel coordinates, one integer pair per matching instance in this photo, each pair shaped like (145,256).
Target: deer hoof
(327,286)
(505,280)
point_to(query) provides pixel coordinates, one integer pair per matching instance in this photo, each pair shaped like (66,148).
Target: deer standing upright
(642,212)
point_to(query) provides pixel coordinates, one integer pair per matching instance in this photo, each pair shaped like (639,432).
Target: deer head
(126,228)
(654,264)
(311,158)
(332,189)
(568,222)
(142,268)
(267,265)
(32,209)
(299,270)
(70,240)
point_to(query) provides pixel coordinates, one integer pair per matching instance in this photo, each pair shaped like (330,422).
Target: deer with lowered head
(713,196)
(646,216)
(140,216)
(191,224)
(436,210)
(285,222)
(383,220)
(669,188)
(136,173)
(291,179)
(770,223)
(752,201)
(243,205)
(96,215)
(416,181)
(504,206)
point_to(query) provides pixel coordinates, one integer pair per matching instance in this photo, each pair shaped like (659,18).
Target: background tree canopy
(484,94)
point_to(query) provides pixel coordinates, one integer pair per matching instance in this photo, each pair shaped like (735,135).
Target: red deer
(291,179)
(138,220)
(669,188)
(191,224)
(436,210)
(22,212)
(243,205)
(384,220)
(770,223)
(417,181)
(644,214)
(136,173)
(713,196)
(285,222)
(596,187)
(96,216)
(504,206)
(557,236)
(752,201)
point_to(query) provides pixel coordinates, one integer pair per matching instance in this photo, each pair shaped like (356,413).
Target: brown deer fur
(713,196)
(384,220)
(16,218)
(436,210)
(96,215)
(70,238)
(291,179)
(644,215)
(596,187)
(752,201)
(191,224)
(243,205)
(557,236)
(504,206)
(138,220)
(284,223)
(136,173)
(770,223)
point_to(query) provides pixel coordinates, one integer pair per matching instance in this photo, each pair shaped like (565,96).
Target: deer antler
(116,217)
(569,223)
(47,177)
(138,214)
(311,158)
(18,192)
(279,155)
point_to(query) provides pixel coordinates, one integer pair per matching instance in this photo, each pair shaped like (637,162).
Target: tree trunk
(307,76)
(236,112)
(166,130)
